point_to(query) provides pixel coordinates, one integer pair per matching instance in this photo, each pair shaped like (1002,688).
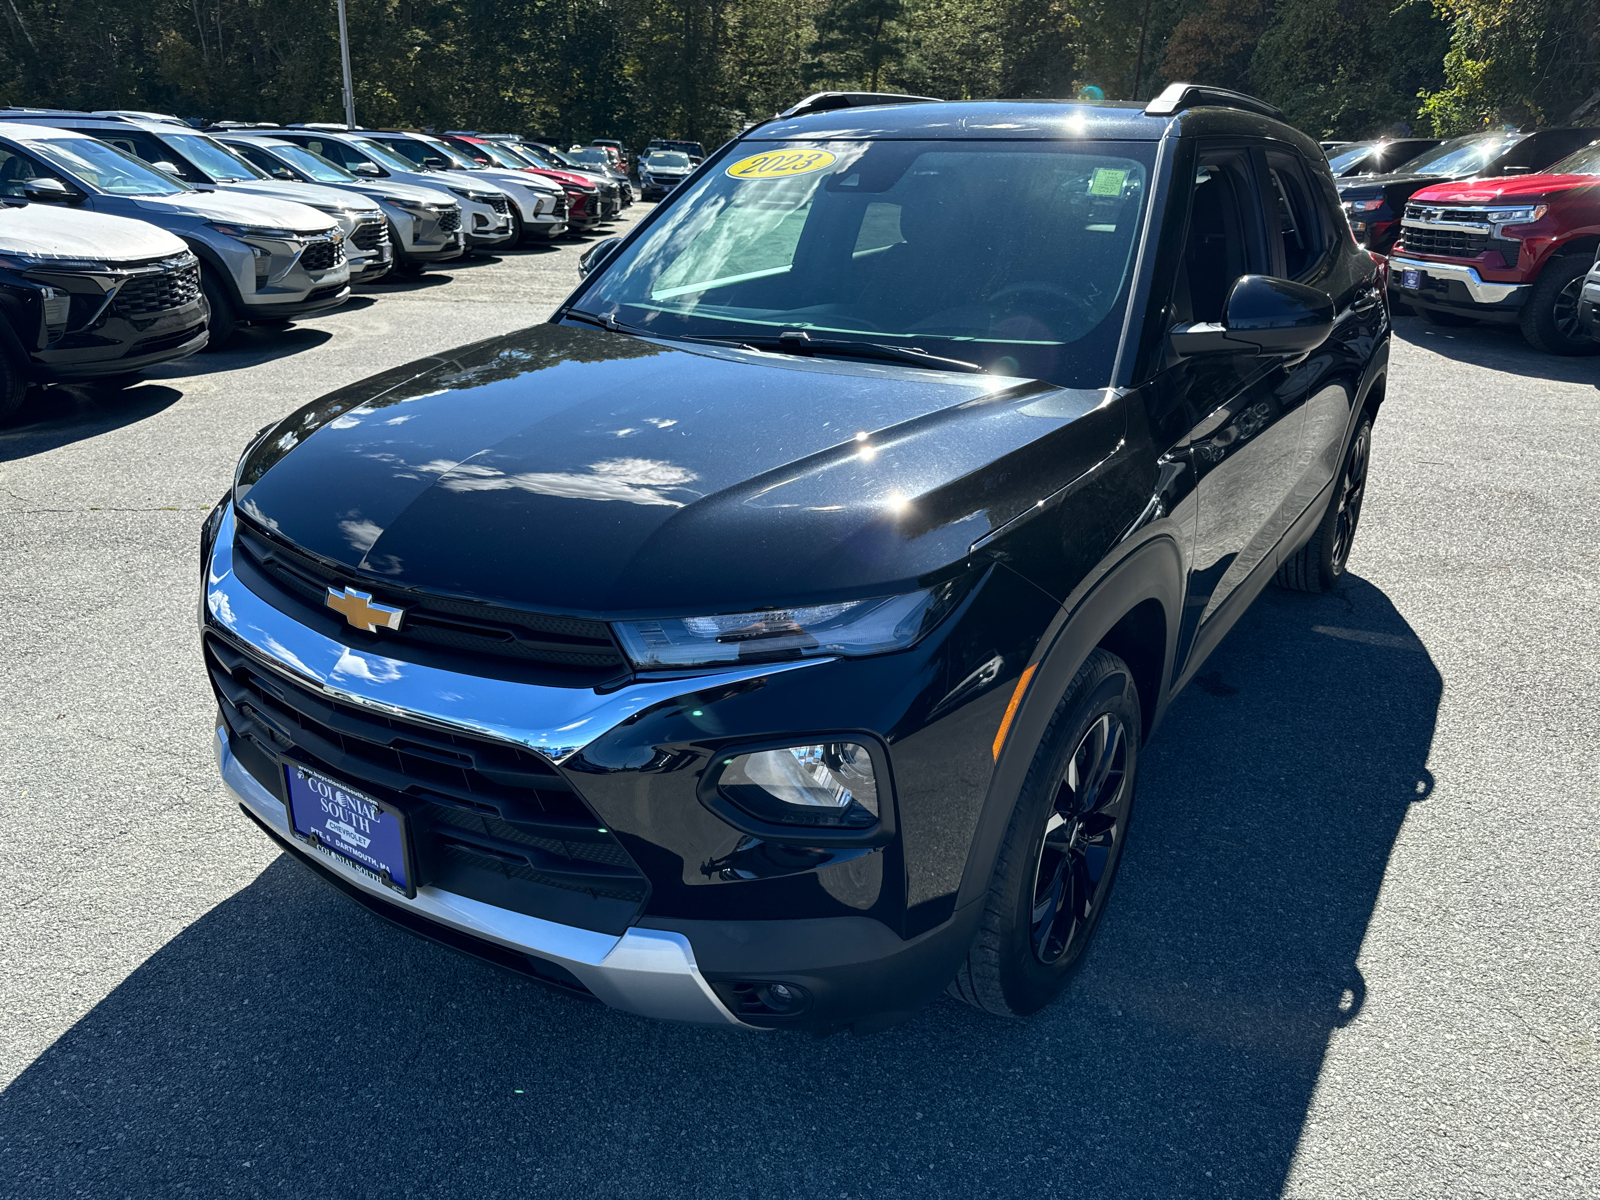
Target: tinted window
(1299,234)
(895,242)
(15,171)
(1224,240)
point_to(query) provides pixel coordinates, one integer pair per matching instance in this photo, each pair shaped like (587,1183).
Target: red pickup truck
(1509,249)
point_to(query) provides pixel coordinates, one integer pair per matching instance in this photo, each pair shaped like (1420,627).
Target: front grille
(501,204)
(1456,216)
(480,629)
(450,219)
(371,235)
(561,206)
(147,294)
(488,819)
(322,256)
(1453,243)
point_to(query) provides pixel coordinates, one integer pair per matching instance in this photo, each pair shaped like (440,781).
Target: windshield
(380,153)
(216,160)
(1345,159)
(668,160)
(897,243)
(591,156)
(1459,156)
(499,155)
(1584,162)
(313,165)
(105,168)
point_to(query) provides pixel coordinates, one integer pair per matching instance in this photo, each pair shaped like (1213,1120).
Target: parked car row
(1500,226)
(128,240)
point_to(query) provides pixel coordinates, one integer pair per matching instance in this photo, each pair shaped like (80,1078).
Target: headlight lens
(469,194)
(1362,206)
(853,629)
(256,231)
(1518,216)
(828,783)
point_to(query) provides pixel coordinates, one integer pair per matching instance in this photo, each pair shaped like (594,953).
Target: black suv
(1376,204)
(770,638)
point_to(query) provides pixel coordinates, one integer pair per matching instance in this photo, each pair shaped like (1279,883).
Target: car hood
(1503,188)
(501,176)
(73,233)
(236,206)
(408,193)
(576,470)
(304,193)
(1360,185)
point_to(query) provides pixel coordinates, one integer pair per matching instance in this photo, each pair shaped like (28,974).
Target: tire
(519,231)
(13,386)
(1058,860)
(1445,320)
(1549,317)
(1320,563)
(224,320)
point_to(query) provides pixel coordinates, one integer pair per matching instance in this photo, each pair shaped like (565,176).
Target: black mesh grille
(488,819)
(561,206)
(1454,243)
(450,219)
(146,294)
(322,256)
(501,204)
(504,633)
(370,235)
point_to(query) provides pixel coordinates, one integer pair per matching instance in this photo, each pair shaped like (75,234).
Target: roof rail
(828,101)
(1179,96)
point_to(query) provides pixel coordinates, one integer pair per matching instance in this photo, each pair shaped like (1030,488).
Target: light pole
(344,54)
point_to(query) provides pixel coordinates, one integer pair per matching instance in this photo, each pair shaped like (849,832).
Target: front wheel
(223,319)
(1055,868)
(13,386)
(1549,318)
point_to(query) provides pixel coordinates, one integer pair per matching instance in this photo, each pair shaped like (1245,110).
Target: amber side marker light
(1011,709)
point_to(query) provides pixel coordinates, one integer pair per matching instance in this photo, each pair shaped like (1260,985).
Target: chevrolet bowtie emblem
(358,608)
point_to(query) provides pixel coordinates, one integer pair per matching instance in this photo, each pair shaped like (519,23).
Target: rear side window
(1300,239)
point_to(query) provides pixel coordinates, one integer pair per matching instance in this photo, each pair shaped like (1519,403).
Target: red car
(1508,249)
(583,198)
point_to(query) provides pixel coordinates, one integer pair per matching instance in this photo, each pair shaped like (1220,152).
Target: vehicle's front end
(278,259)
(360,220)
(1488,249)
(93,296)
(662,171)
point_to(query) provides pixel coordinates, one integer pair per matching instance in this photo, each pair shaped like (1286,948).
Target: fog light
(263,265)
(755,1000)
(830,784)
(57,309)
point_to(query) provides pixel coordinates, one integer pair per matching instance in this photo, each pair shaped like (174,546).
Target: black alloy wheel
(1320,563)
(13,385)
(1549,317)
(1058,860)
(1081,834)
(223,320)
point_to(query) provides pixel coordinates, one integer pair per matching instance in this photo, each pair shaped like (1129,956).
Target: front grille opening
(322,256)
(144,295)
(582,647)
(450,220)
(1453,243)
(371,235)
(489,819)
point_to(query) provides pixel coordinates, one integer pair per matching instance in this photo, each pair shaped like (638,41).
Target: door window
(1299,239)
(15,171)
(1224,240)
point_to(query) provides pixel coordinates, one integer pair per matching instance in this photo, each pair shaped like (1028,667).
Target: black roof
(1118,120)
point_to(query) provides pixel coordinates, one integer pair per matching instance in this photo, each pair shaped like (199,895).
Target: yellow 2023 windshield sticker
(781,164)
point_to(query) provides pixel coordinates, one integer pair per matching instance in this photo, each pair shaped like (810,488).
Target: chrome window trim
(649,972)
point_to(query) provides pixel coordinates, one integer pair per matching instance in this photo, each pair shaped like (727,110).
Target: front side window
(105,168)
(1016,256)
(215,159)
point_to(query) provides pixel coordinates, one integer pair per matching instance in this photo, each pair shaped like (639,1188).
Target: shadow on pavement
(287,1043)
(250,346)
(1497,348)
(60,415)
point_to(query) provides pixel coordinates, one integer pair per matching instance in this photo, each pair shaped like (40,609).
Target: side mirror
(1264,316)
(595,256)
(435,161)
(169,168)
(49,191)
(284,173)
(366,170)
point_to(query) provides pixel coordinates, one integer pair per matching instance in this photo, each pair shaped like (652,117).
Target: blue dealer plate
(339,820)
(1411,279)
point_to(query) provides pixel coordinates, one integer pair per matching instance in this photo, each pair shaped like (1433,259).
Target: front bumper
(645,971)
(1453,286)
(317,300)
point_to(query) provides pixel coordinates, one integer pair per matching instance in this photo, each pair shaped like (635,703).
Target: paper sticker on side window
(1107,182)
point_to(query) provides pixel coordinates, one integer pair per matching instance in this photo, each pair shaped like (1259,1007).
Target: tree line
(703,69)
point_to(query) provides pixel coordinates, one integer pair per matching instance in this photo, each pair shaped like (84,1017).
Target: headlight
(469,194)
(828,784)
(1362,206)
(255,231)
(850,630)
(30,262)
(1518,216)
(416,208)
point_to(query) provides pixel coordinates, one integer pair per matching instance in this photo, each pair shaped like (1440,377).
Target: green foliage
(702,69)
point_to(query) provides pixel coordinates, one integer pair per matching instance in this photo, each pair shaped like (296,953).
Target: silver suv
(424,223)
(259,258)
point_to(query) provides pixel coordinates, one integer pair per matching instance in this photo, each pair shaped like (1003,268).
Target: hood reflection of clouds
(632,480)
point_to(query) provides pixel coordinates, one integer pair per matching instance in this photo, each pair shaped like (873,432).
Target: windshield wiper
(608,322)
(803,344)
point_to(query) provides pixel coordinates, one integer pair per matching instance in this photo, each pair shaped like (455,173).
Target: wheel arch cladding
(1134,607)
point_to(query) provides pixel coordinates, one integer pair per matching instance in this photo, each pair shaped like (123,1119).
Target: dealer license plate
(1411,279)
(339,820)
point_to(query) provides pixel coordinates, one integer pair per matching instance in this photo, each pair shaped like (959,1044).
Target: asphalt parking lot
(1353,952)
